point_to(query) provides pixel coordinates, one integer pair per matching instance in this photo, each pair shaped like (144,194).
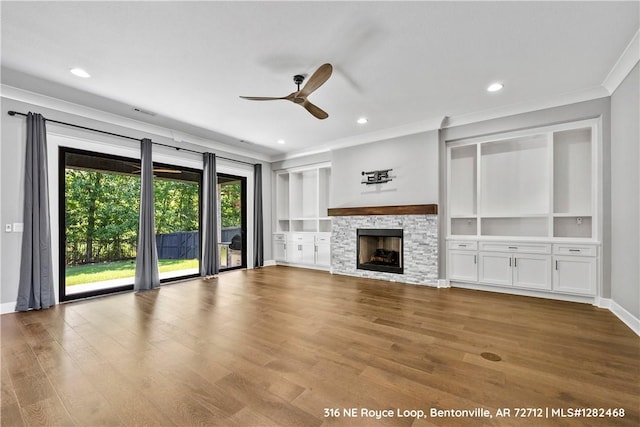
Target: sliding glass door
(177,216)
(99,209)
(232,221)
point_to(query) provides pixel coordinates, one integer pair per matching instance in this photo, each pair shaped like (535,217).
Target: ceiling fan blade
(316,80)
(261,98)
(316,111)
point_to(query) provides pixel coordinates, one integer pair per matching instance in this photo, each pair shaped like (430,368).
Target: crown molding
(623,66)
(529,106)
(191,141)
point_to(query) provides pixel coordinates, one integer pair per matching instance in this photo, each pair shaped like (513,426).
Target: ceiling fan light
(79,72)
(495,87)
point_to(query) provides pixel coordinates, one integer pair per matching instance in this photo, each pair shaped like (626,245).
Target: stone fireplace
(393,243)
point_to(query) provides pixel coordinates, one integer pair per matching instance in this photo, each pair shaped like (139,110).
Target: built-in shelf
(302,198)
(522,211)
(535,183)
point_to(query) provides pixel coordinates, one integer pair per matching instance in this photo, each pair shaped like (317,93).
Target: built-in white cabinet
(323,249)
(575,274)
(532,271)
(302,225)
(527,271)
(280,247)
(301,248)
(463,261)
(537,266)
(526,206)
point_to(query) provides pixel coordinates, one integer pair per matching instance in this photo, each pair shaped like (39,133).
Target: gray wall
(413,158)
(625,194)
(566,113)
(12,151)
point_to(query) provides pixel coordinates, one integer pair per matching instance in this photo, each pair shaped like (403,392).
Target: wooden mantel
(385,210)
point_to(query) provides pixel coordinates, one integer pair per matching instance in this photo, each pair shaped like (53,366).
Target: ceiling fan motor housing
(298,79)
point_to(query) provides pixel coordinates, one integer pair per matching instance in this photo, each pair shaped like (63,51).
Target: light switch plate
(7,228)
(18,227)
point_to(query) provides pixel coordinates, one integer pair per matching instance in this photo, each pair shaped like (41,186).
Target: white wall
(12,151)
(625,194)
(413,158)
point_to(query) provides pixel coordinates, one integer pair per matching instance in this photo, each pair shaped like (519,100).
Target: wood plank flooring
(277,346)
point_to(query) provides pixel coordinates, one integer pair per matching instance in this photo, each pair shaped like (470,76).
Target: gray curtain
(147,275)
(209,265)
(258,240)
(35,288)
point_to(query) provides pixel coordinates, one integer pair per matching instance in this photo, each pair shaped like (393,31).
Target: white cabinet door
(307,253)
(279,251)
(532,271)
(323,254)
(495,268)
(293,252)
(574,275)
(463,265)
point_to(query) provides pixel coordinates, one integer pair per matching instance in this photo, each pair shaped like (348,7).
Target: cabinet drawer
(323,239)
(279,237)
(301,238)
(463,245)
(583,250)
(536,248)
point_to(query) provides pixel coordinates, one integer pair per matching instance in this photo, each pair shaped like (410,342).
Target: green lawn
(120,269)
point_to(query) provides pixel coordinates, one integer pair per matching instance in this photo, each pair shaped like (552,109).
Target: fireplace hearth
(380,250)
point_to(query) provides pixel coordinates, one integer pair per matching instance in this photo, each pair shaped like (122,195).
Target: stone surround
(420,252)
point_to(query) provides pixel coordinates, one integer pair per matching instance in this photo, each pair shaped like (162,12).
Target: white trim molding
(8,307)
(623,66)
(621,313)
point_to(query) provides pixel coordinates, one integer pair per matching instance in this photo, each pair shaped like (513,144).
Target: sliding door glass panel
(232,222)
(177,217)
(100,202)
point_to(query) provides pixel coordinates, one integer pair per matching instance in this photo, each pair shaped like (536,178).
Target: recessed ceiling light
(494,87)
(362,120)
(281,141)
(80,73)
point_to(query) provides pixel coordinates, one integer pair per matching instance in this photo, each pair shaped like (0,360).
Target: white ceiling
(404,65)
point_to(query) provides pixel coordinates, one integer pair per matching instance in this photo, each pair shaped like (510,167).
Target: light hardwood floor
(278,345)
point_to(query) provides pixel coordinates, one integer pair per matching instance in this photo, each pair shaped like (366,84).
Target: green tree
(231,204)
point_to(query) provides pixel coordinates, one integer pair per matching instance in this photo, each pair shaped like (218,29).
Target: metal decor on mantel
(376,177)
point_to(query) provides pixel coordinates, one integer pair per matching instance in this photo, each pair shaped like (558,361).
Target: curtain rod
(13,113)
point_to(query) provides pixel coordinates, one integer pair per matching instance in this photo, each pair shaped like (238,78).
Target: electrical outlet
(7,228)
(579,221)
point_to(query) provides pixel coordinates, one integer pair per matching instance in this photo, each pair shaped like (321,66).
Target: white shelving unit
(516,190)
(302,223)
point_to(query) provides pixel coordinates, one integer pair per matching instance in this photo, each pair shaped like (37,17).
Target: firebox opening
(380,250)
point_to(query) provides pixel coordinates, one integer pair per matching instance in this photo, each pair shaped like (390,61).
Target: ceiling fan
(299,97)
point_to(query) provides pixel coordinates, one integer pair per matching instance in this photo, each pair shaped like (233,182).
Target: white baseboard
(8,307)
(269,263)
(443,283)
(621,313)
